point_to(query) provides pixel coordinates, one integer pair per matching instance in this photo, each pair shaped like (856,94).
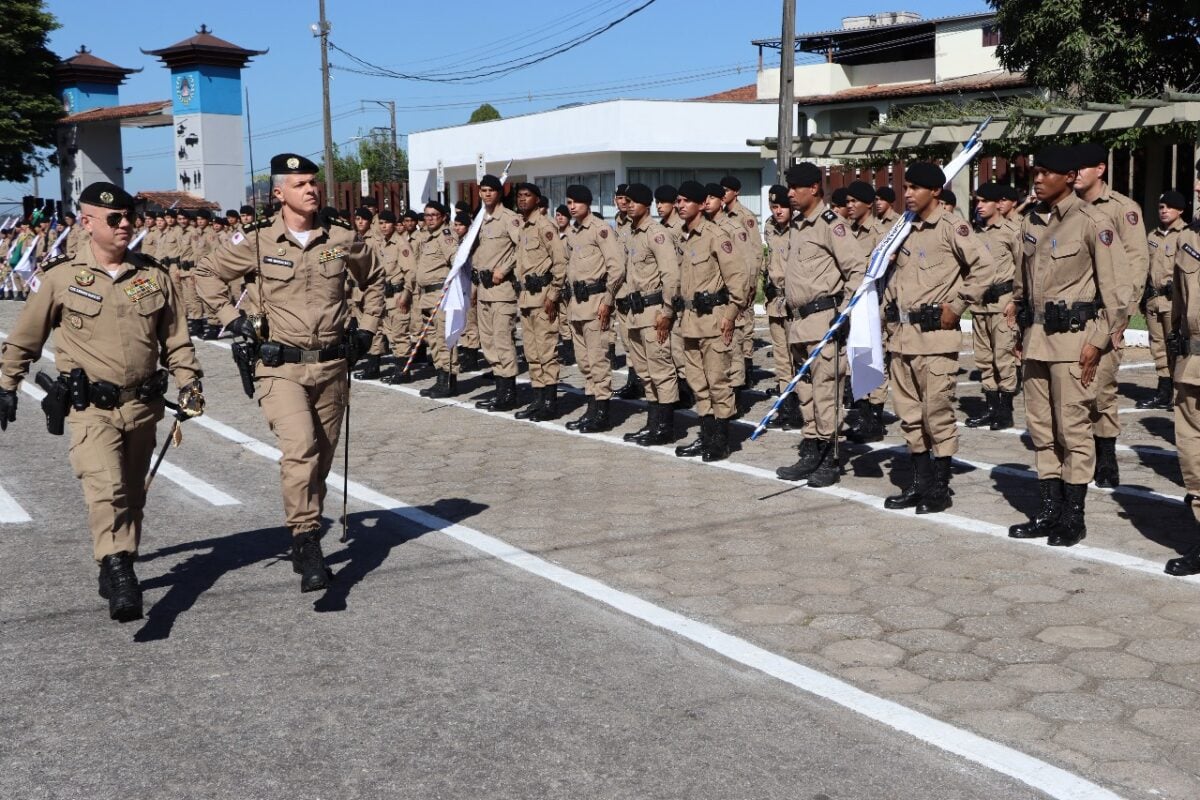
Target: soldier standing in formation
(1157,297)
(867,229)
(494,273)
(393,328)
(435,246)
(541,269)
(778,231)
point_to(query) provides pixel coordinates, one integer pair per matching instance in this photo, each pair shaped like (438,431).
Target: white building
(601,145)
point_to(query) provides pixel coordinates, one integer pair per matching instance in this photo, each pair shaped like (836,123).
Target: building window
(991,35)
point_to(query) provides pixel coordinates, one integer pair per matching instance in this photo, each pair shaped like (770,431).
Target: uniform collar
(88,259)
(933,219)
(703,223)
(1177,225)
(800,220)
(865,225)
(645,224)
(1065,206)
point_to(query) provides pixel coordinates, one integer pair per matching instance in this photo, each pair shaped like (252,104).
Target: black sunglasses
(113,218)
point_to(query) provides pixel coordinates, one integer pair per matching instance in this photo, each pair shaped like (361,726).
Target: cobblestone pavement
(1087,658)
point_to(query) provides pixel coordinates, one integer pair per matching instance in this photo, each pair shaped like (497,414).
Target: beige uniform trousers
(923,395)
(306,419)
(393,331)
(655,365)
(633,360)
(497,326)
(191,300)
(677,353)
(1187,438)
(539,338)
(1057,416)
(1158,325)
(742,347)
(470,335)
(781,352)
(707,370)
(591,354)
(110,454)
(1105,423)
(993,343)
(444,358)
(819,391)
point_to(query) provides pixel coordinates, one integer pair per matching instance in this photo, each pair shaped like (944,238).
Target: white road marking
(1034,772)
(11,512)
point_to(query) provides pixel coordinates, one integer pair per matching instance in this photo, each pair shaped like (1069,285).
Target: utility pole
(787,88)
(322,30)
(390,105)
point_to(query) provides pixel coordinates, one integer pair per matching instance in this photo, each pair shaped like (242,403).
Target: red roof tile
(740,94)
(154,108)
(984,82)
(165,199)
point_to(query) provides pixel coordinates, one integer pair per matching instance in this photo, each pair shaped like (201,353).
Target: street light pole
(787,89)
(323,33)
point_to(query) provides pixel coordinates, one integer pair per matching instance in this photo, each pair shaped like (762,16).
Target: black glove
(243,328)
(360,343)
(1173,343)
(843,331)
(8,408)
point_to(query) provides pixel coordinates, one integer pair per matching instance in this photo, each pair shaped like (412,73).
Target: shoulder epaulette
(338,222)
(258,224)
(447,232)
(144,260)
(829,216)
(54,262)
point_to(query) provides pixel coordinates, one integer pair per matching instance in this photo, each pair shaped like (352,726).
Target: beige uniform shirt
(76,240)
(387,253)
(1125,218)
(1002,240)
(707,264)
(118,329)
(779,249)
(1067,254)
(302,288)
(1185,300)
(1163,245)
(593,254)
(540,251)
(169,247)
(674,226)
(867,233)
(149,245)
(824,260)
(651,265)
(406,258)
(435,251)
(496,249)
(941,261)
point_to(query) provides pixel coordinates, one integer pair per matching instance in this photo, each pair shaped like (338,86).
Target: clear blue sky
(672,42)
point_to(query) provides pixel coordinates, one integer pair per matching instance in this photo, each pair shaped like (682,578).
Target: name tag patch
(138,288)
(98,298)
(280,262)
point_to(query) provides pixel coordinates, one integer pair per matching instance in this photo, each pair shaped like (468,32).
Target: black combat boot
(642,431)
(661,426)
(566,353)
(486,403)
(119,585)
(599,423)
(696,446)
(937,497)
(1050,492)
(749,368)
(1186,564)
(397,375)
(847,394)
(1071,528)
(810,456)
(1002,419)
(829,470)
(1107,474)
(211,332)
(918,484)
(717,446)
(506,395)
(1161,397)
(869,425)
(687,398)
(309,562)
(549,409)
(633,388)
(993,400)
(539,402)
(437,375)
(794,419)
(586,417)
(370,370)
(196,327)
(446,386)
(468,359)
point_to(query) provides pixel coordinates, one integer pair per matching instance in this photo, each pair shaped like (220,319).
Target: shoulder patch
(751,222)
(549,236)
(742,235)
(516,222)
(839,229)
(963,229)
(1132,217)
(829,216)
(660,239)
(727,246)
(54,262)
(603,232)
(1106,237)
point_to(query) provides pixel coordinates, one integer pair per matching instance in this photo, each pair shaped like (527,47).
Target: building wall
(96,157)
(960,51)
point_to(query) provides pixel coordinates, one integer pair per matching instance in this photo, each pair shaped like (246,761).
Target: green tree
(372,154)
(484,113)
(29,103)
(1103,52)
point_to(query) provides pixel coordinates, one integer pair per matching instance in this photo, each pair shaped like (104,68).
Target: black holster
(55,403)
(244,356)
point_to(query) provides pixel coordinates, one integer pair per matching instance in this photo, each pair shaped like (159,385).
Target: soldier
(713,290)
(839,201)
(885,196)
(748,254)
(76,236)
(409,233)
(233,221)
(155,224)
(664,203)
(595,272)
(634,388)
(393,328)
(436,247)
(950,203)
(1010,198)
(541,267)
(941,269)
(494,273)
(1156,299)
(1125,220)
(1066,290)
(204,241)
(247,215)
(562,220)
(303,382)
(867,230)
(749,236)
(652,277)
(778,232)
(168,252)
(566,347)
(187,262)
(993,339)
(115,317)
(823,270)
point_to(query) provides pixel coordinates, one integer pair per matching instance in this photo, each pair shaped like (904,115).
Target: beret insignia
(293,163)
(106,197)
(406,253)
(963,229)
(1131,217)
(516,223)
(1106,237)
(727,246)
(839,230)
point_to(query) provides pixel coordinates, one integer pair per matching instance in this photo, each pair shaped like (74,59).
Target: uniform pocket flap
(82,304)
(151,304)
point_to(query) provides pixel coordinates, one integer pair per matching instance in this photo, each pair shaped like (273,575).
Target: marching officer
(1067,305)
(116,317)
(714,288)
(823,270)
(541,267)
(301,260)
(494,273)
(1157,298)
(941,269)
(436,246)
(778,230)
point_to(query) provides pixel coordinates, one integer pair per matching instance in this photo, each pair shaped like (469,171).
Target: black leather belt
(997,290)
(296,355)
(580,291)
(820,304)
(392,289)
(638,302)
(535,283)
(1058,317)
(1166,290)
(432,287)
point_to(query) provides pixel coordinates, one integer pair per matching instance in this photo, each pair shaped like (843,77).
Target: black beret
(639,193)
(839,196)
(566,212)
(186,214)
(462,205)
(885,193)
(1173,199)
(805,173)
(170,212)
(436,206)
(666,193)
(367,200)
(204,213)
(714,190)
(532,188)
(292,164)
(730,182)
(621,190)
(1058,158)
(1009,193)
(778,195)
(925,174)
(543,201)
(861,191)
(106,195)
(491,182)
(949,197)
(579,193)
(231,212)
(693,192)
(364,213)
(1089,154)
(413,215)
(247,210)
(387,216)
(218,220)
(70,214)
(463,218)
(988,192)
